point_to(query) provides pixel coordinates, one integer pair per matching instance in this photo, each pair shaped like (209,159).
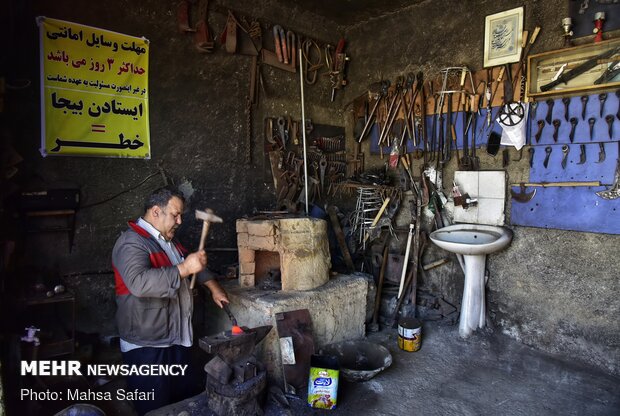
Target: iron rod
(303,128)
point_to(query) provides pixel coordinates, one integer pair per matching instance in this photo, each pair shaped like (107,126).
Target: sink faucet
(463,200)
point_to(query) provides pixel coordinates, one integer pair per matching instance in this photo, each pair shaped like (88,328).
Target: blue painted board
(573,208)
(457,120)
(582,130)
(589,171)
(564,208)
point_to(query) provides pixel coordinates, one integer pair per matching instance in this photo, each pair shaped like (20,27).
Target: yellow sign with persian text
(94,91)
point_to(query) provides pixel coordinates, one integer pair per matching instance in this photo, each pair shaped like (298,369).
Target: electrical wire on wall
(159,171)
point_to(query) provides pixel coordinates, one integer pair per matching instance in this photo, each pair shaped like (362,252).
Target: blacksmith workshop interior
(408,206)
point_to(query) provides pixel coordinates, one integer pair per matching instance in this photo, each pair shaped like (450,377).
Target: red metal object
(183,17)
(599,19)
(276,41)
(340,47)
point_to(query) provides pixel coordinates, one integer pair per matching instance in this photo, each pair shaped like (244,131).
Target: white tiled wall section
(489,188)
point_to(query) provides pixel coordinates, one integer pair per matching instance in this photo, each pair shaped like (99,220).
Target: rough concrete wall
(1,396)
(197,126)
(555,290)
(436,34)
(558,290)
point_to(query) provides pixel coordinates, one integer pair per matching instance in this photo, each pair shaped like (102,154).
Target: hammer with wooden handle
(207,216)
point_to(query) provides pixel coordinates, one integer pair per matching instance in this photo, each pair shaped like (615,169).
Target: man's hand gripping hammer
(207,216)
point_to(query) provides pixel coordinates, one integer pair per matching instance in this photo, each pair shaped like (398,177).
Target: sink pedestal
(473,308)
(474,242)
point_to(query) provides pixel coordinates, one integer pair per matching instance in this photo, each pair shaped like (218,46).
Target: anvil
(232,352)
(231,348)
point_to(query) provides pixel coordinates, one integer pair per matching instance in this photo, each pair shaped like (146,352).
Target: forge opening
(268,273)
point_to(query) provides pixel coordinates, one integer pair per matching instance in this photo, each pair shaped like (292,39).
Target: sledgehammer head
(207,216)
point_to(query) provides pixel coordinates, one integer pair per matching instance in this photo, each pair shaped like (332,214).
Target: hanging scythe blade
(522,196)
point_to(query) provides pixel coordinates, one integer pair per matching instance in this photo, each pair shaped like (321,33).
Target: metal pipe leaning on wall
(303,130)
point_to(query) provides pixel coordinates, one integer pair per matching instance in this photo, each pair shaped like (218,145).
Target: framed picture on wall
(502,37)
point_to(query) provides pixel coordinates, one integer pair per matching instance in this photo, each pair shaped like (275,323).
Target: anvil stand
(236,381)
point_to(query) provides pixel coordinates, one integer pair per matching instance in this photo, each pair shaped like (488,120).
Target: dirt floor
(487,374)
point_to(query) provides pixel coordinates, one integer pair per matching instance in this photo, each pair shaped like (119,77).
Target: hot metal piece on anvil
(230,347)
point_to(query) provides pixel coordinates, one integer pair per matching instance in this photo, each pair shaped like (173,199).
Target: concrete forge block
(337,309)
(300,243)
(247,268)
(246,280)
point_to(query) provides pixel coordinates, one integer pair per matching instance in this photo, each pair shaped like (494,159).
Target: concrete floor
(488,374)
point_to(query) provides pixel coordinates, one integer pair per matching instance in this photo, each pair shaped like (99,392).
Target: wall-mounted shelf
(49,211)
(35,222)
(544,66)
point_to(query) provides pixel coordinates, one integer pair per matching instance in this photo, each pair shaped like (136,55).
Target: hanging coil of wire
(311,68)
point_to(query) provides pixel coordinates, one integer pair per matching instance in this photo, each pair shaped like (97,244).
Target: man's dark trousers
(167,389)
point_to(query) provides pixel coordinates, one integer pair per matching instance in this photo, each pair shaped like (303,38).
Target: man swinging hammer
(152,272)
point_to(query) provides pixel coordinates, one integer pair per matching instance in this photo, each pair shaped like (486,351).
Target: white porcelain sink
(474,242)
(472,239)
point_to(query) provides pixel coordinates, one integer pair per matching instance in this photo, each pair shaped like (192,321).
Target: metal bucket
(409,334)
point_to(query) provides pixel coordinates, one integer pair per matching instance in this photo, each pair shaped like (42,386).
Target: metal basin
(359,360)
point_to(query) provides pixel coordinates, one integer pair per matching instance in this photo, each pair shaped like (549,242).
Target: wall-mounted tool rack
(571,208)
(589,158)
(328,162)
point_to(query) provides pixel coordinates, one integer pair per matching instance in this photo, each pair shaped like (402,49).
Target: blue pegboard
(573,208)
(481,134)
(582,130)
(589,171)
